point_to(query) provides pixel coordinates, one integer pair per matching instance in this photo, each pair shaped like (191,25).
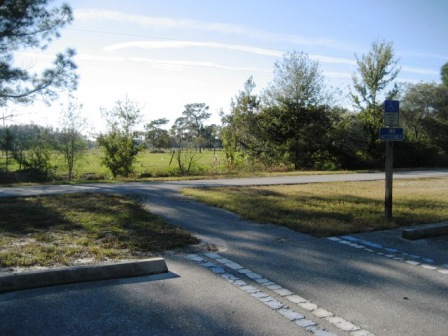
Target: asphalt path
(257,279)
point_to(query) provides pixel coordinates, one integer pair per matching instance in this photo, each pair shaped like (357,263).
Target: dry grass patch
(326,209)
(80,228)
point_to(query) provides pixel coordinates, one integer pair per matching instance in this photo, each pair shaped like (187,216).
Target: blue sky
(165,54)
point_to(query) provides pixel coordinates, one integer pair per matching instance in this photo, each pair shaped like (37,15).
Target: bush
(323,160)
(418,154)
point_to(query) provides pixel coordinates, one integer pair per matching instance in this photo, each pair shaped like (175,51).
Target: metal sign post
(389,168)
(390,133)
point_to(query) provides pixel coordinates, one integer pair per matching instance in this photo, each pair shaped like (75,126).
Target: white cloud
(420,71)
(187,44)
(337,75)
(333,60)
(100,14)
(166,63)
(224,28)
(244,48)
(425,55)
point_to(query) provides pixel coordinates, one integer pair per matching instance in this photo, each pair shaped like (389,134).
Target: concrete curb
(426,232)
(68,275)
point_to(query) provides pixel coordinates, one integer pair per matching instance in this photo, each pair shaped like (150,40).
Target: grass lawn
(81,228)
(337,208)
(147,163)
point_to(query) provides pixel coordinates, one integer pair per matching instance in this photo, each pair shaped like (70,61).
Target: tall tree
(38,158)
(437,126)
(185,141)
(376,71)
(71,142)
(417,106)
(7,144)
(119,142)
(244,130)
(444,74)
(194,117)
(424,111)
(156,135)
(211,135)
(296,108)
(30,24)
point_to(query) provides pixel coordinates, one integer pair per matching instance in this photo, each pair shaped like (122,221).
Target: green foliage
(412,153)
(119,143)
(425,117)
(297,113)
(444,74)
(120,152)
(156,137)
(376,71)
(29,24)
(189,130)
(324,160)
(6,143)
(346,144)
(38,159)
(188,133)
(186,159)
(70,141)
(245,130)
(293,123)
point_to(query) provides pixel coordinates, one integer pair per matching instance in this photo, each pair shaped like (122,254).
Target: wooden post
(389,178)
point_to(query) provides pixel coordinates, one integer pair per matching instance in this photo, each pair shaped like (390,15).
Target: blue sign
(391,106)
(391,134)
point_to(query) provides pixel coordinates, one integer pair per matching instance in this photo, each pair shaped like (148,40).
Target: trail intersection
(259,280)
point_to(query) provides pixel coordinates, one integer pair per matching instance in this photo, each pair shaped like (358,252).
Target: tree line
(31,147)
(296,122)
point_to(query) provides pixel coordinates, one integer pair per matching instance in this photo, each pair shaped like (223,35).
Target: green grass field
(147,165)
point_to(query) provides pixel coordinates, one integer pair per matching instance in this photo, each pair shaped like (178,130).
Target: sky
(166,54)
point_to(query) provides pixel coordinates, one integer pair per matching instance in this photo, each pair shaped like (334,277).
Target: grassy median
(337,208)
(81,228)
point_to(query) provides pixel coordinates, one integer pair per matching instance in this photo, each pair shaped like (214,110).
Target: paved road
(258,280)
(139,187)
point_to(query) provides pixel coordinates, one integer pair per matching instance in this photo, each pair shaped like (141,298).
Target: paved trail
(259,280)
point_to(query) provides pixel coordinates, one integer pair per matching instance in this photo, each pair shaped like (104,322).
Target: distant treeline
(295,123)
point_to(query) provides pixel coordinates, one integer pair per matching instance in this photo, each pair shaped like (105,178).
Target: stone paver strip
(283,292)
(388,252)
(290,314)
(308,306)
(304,323)
(319,312)
(361,332)
(342,324)
(269,301)
(253,276)
(285,311)
(296,298)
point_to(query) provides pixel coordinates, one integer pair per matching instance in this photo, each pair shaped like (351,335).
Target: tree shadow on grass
(25,215)
(63,228)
